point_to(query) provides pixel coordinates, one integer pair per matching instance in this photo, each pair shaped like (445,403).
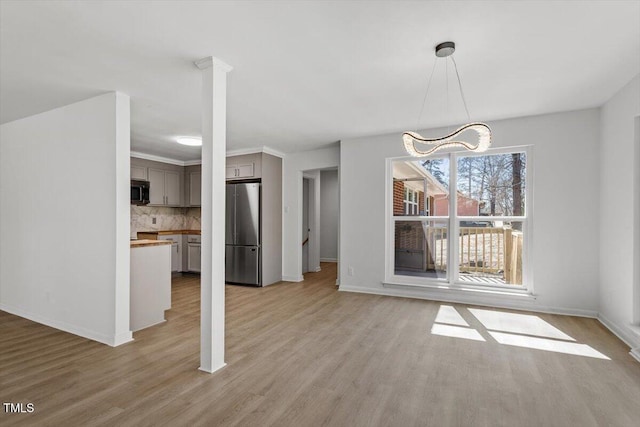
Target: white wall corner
(122,203)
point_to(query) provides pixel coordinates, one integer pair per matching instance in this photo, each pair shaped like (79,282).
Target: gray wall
(329,215)
(292,169)
(64,218)
(271,219)
(565,183)
(618,203)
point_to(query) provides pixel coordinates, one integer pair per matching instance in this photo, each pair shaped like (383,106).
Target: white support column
(214,141)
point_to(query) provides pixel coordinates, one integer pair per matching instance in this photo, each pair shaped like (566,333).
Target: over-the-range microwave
(139,192)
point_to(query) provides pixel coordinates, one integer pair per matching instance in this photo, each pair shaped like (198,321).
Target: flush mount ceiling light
(191,141)
(445,50)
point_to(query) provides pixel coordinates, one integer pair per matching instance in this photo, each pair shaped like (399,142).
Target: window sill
(463,289)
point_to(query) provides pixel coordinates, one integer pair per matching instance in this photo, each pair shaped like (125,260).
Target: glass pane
(421,249)
(492,185)
(425,183)
(491,252)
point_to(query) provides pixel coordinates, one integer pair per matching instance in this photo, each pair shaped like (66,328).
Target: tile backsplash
(166,218)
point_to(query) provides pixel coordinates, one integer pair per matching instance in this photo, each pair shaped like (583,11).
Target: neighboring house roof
(409,169)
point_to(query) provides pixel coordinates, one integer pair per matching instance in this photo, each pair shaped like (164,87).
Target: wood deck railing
(492,250)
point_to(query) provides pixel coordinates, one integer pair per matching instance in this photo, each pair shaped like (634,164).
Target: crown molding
(192,162)
(273,152)
(253,150)
(243,151)
(153,157)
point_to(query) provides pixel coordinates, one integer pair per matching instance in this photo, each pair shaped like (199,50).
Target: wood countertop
(146,242)
(168,232)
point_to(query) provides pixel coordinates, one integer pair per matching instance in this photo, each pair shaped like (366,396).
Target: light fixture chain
(424,100)
(464,101)
(446,79)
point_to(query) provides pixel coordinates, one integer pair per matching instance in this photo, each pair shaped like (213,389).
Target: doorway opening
(320,222)
(305,225)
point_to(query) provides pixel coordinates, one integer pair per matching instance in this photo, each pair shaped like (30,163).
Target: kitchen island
(150,282)
(185,252)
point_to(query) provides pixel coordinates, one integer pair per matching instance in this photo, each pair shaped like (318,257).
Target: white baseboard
(292,278)
(122,338)
(212,370)
(112,341)
(328,259)
(317,269)
(625,333)
(513,304)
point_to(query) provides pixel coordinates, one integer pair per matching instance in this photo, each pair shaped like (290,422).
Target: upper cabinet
(192,185)
(195,188)
(247,166)
(181,186)
(241,171)
(164,187)
(138,172)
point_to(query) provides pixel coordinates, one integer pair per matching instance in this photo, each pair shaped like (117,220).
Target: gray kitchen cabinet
(195,188)
(240,171)
(138,172)
(176,250)
(194,256)
(194,253)
(245,166)
(165,187)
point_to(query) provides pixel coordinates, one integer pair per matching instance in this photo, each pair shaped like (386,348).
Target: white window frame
(452,279)
(413,205)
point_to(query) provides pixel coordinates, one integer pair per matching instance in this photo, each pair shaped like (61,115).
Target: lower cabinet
(176,250)
(193,253)
(176,257)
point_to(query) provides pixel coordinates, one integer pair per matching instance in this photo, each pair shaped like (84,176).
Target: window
(477,238)
(411,199)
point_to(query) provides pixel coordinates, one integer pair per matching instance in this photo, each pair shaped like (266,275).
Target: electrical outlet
(153,220)
(351,273)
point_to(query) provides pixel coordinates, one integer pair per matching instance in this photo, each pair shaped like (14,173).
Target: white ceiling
(307,74)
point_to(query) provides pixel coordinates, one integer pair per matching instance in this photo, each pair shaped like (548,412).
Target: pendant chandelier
(445,50)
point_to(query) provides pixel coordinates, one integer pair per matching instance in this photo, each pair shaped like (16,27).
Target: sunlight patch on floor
(513,329)
(448,314)
(518,323)
(547,345)
(456,332)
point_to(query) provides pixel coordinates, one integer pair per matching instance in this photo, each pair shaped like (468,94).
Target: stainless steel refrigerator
(242,254)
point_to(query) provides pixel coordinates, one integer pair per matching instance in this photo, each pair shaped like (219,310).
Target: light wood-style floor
(304,354)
